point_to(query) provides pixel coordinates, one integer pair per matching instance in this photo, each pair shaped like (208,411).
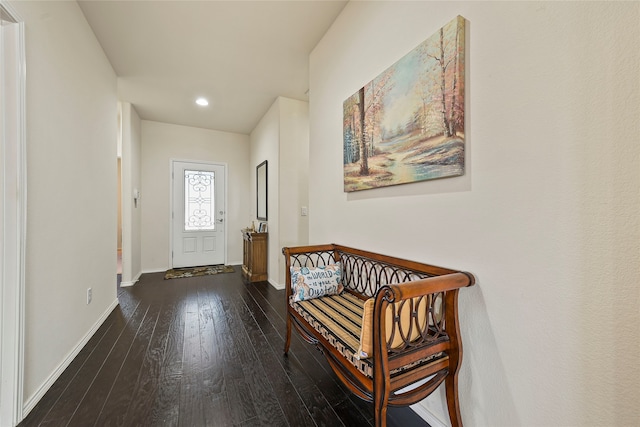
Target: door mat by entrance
(178,273)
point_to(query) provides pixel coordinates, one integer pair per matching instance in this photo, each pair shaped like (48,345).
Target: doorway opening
(13,204)
(119,203)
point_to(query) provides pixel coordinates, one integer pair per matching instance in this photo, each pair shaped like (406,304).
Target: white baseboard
(153,271)
(131,283)
(46,385)
(427,415)
(276,285)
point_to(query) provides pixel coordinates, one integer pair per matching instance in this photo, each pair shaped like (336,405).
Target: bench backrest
(366,272)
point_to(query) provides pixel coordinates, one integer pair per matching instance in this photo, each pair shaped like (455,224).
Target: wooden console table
(254,260)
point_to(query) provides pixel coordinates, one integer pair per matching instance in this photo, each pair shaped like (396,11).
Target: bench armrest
(432,285)
(418,313)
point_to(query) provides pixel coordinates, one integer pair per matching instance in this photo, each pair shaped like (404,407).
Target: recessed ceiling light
(202,102)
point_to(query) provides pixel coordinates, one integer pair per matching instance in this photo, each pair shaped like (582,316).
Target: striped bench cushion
(338,318)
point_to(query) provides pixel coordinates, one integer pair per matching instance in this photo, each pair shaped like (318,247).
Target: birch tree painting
(407,124)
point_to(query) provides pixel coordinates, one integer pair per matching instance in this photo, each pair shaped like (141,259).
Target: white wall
(546,217)
(293,177)
(265,145)
(162,142)
(282,138)
(131,180)
(71,188)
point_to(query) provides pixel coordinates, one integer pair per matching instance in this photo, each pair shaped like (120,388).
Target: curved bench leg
(380,413)
(453,405)
(287,341)
(380,396)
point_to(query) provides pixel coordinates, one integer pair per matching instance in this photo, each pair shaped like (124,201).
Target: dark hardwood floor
(202,351)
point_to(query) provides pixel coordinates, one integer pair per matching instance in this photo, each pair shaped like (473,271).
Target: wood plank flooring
(201,351)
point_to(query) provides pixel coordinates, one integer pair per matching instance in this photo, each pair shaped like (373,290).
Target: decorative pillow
(314,282)
(420,305)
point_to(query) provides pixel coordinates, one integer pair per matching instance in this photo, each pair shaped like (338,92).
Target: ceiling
(240,55)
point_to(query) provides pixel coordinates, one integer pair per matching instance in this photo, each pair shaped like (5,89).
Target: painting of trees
(361,112)
(448,61)
(352,129)
(407,124)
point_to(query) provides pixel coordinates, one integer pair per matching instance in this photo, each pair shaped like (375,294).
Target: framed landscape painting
(407,124)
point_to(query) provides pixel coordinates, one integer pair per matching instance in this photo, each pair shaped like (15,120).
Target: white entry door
(198,217)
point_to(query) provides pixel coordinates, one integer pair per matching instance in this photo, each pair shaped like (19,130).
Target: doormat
(179,273)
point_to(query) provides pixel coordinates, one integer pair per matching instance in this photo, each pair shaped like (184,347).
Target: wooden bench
(417,343)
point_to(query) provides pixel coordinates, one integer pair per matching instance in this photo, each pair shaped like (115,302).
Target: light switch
(304,211)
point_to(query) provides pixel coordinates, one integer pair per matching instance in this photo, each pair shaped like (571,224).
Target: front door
(198,212)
